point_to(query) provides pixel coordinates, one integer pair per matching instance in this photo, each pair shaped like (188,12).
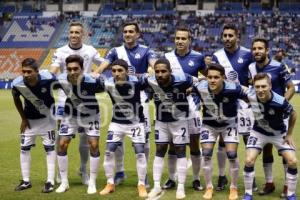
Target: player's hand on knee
(289,140)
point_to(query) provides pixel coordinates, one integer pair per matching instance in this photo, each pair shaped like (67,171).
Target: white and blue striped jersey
(279,74)
(235,64)
(138,57)
(269,116)
(219,110)
(170,102)
(126,100)
(81,99)
(38,100)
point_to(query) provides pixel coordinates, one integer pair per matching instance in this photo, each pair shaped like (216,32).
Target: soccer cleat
(197,185)
(208,194)
(254,186)
(233,195)
(268,188)
(23,186)
(292,197)
(247,197)
(62,188)
(222,182)
(119,178)
(142,191)
(91,188)
(169,184)
(284,192)
(48,187)
(109,188)
(84,178)
(180,194)
(154,192)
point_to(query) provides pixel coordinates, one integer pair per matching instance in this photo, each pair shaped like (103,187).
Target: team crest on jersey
(271,112)
(175,90)
(137,56)
(240,60)
(191,63)
(84,92)
(43,90)
(130,92)
(225,100)
(86,56)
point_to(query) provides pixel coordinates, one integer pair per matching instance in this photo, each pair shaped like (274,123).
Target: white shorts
(39,127)
(194,124)
(91,125)
(258,141)
(245,119)
(177,132)
(117,132)
(210,135)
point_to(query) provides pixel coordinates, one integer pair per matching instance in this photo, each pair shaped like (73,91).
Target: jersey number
(231,131)
(94,125)
(245,121)
(183,132)
(136,132)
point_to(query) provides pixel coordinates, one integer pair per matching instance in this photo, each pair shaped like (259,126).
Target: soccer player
(281,84)
(219,99)
(270,109)
(236,60)
(37,119)
(90,56)
(171,125)
(139,58)
(81,110)
(184,60)
(127,119)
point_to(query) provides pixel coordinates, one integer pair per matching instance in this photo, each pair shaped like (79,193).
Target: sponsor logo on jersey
(225,100)
(43,90)
(271,112)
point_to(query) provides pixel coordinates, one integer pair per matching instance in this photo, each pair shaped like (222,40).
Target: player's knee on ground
(49,148)
(180,151)
(194,143)
(207,153)
(161,150)
(111,146)
(231,155)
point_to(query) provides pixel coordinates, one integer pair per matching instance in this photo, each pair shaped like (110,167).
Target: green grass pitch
(10,168)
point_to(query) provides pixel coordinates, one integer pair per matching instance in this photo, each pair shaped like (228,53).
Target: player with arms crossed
(139,58)
(81,110)
(184,60)
(128,119)
(90,56)
(219,99)
(270,110)
(37,118)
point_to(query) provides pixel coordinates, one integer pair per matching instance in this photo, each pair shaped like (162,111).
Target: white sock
(158,166)
(207,169)
(94,166)
(234,167)
(291,180)
(285,171)
(51,159)
(268,172)
(181,170)
(63,167)
(248,180)
(141,167)
(196,164)
(84,150)
(109,166)
(25,160)
(119,156)
(222,157)
(172,159)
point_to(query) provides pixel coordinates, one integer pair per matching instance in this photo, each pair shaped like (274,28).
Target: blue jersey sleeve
(151,55)
(285,75)
(287,108)
(111,56)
